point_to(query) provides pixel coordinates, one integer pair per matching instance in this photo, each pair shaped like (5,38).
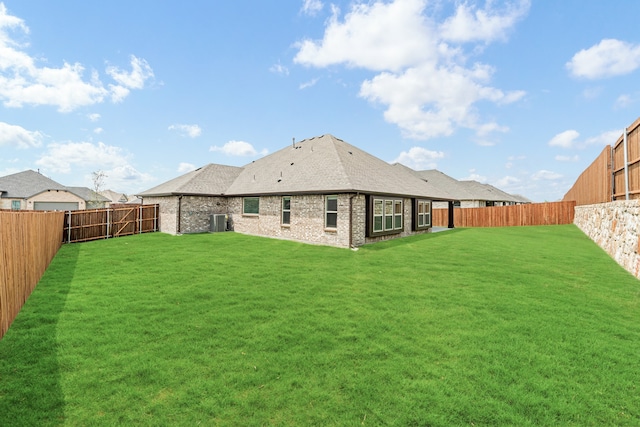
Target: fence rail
(555,213)
(614,174)
(28,242)
(115,221)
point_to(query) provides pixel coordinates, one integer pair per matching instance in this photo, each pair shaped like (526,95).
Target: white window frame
(286,211)
(328,212)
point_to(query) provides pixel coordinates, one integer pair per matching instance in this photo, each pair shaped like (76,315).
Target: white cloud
(94,117)
(98,131)
(545,175)
(376,36)
(308,84)
(23,81)
(605,138)
(192,131)
(135,79)
(62,157)
(568,158)
(422,78)
(566,139)
(419,158)
(472,24)
(238,148)
(279,69)
(623,101)
(311,7)
(19,136)
(186,167)
(608,58)
(507,181)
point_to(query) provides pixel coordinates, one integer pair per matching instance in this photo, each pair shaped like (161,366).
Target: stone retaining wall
(615,227)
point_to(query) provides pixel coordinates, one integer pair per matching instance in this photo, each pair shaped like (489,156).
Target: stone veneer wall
(615,227)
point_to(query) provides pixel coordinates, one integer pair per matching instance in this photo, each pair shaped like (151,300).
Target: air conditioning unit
(218,222)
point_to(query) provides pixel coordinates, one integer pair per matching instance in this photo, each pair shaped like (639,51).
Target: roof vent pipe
(294,142)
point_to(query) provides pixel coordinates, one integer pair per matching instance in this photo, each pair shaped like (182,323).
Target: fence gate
(116,221)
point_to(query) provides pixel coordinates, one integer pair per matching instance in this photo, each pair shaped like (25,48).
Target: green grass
(520,326)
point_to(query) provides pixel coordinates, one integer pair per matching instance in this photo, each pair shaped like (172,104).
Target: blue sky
(519,94)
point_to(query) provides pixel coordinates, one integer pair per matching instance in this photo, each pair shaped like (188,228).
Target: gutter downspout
(179,213)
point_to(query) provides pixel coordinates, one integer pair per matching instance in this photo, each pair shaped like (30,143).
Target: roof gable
(26,184)
(212,179)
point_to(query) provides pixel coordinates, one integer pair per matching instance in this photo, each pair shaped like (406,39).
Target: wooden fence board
(28,242)
(553,213)
(115,221)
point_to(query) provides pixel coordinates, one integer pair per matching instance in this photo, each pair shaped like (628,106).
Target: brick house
(320,190)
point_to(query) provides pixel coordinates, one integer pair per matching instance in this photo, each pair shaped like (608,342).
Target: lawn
(523,326)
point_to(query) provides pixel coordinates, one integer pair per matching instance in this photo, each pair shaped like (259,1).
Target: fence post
(626,166)
(108,223)
(69,227)
(155,217)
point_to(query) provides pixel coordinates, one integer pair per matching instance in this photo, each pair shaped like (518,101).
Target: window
(385,216)
(397,211)
(286,210)
(15,205)
(331,212)
(423,214)
(251,205)
(377,215)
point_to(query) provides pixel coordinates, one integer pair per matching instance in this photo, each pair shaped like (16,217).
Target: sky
(519,94)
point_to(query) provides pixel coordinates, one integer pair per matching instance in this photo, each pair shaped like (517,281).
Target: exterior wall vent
(218,222)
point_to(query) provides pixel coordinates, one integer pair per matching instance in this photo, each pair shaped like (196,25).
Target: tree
(98,178)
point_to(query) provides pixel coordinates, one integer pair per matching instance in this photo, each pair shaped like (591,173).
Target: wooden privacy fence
(614,174)
(28,242)
(508,216)
(115,221)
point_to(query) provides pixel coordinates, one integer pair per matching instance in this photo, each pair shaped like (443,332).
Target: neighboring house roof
(327,164)
(23,185)
(88,194)
(210,180)
(443,181)
(487,192)
(114,196)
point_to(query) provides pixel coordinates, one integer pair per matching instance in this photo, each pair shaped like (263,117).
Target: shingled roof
(318,165)
(327,164)
(209,180)
(23,185)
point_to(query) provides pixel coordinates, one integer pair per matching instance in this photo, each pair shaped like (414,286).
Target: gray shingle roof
(209,180)
(26,184)
(87,194)
(326,164)
(487,192)
(443,182)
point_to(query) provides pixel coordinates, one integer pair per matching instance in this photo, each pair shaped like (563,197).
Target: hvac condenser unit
(218,222)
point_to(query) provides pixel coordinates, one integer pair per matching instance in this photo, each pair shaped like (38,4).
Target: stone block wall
(615,227)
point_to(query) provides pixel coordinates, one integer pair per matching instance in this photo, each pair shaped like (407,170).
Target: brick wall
(615,227)
(307,219)
(306,224)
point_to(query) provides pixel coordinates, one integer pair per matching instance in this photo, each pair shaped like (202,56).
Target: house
(320,190)
(93,200)
(468,194)
(114,197)
(30,190)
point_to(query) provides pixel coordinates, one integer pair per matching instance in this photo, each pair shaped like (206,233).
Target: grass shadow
(30,390)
